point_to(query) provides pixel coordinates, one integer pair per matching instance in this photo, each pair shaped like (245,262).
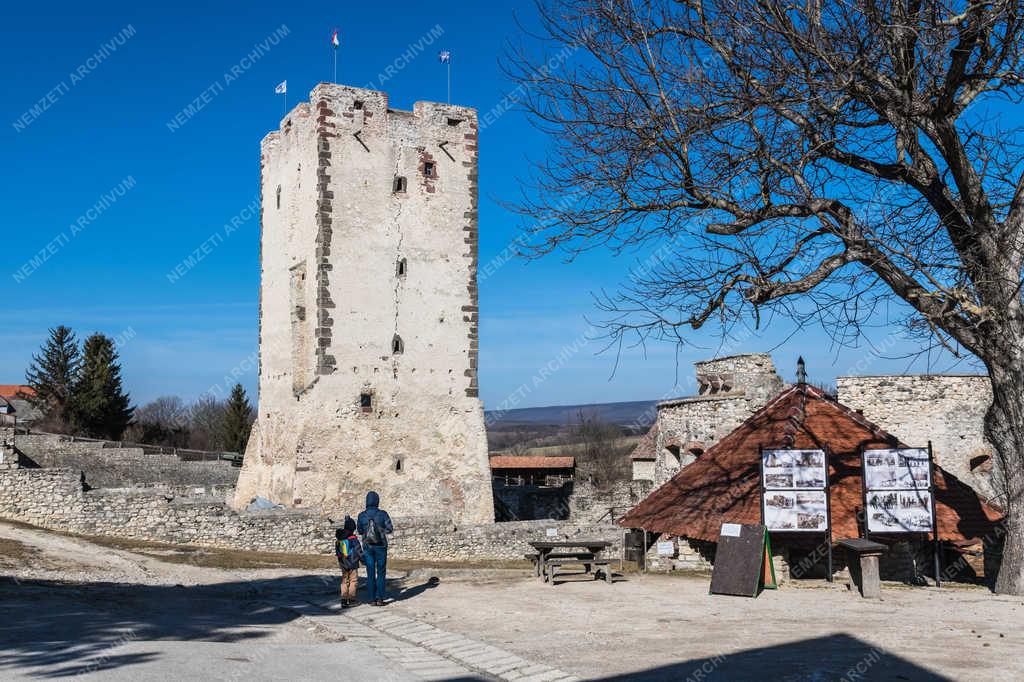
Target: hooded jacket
(379,516)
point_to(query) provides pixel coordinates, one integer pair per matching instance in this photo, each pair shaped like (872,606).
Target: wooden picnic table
(547,558)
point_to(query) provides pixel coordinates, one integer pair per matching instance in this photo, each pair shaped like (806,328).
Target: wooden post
(935,525)
(828,511)
(622,552)
(864,489)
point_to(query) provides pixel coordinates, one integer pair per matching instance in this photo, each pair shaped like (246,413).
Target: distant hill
(623,414)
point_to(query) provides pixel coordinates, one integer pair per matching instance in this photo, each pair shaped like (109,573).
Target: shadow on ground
(53,629)
(835,657)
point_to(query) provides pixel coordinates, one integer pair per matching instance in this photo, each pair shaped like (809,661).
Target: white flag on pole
(281,88)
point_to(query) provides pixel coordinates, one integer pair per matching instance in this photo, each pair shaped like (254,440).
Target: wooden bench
(552,564)
(534,558)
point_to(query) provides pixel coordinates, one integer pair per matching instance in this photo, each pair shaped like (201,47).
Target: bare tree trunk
(1004,428)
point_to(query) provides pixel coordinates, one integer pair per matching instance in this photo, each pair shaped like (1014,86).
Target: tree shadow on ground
(835,657)
(57,629)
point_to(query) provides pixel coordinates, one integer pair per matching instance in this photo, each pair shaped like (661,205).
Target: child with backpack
(349,551)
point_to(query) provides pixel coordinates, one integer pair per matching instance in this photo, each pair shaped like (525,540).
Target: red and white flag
(334,39)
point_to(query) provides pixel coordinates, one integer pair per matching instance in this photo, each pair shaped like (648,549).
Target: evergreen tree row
(80,389)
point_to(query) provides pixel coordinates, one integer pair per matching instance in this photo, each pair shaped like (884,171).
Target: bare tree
(206,418)
(603,455)
(157,423)
(831,162)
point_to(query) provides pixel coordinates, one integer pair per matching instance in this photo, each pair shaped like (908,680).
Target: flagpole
(335,65)
(449,80)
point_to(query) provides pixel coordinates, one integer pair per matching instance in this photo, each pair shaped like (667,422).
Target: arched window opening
(402,267)
(397,347)
(673,460)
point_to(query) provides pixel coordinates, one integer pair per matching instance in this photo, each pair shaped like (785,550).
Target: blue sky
(97,178)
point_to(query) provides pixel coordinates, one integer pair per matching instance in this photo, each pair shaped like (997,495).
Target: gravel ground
(71,606)
(667,627)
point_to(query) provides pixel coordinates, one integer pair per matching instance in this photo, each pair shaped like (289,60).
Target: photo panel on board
(898,469)
(899,511)
(795,511)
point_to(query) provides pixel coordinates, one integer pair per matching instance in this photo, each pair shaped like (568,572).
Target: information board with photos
(793,486)
(898,490)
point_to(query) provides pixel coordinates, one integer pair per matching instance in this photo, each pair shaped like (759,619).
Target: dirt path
(32,553)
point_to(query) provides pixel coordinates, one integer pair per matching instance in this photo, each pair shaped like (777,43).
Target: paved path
(426,651)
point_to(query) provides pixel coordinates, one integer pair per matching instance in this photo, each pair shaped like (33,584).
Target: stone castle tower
(368,311)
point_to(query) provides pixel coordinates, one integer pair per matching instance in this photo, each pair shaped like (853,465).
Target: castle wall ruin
(730,390)
(948,410)
(57,500)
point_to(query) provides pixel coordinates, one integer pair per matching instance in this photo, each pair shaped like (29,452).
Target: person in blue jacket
(374,525)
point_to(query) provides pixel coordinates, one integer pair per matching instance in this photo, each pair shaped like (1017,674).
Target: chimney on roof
(801,371)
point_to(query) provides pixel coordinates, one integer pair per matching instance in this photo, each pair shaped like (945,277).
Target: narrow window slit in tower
(402,267)
(279,196)
(366,402)
(399,184)
(397,347)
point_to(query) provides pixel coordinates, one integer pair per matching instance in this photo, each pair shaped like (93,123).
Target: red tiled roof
(645,447)
(15,391)
(517,462)
(724,483)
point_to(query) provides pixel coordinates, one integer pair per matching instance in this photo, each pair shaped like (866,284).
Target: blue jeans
(376,557)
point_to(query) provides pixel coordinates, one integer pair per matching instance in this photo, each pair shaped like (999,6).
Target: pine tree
(237,421)
(101,407)
(53,373)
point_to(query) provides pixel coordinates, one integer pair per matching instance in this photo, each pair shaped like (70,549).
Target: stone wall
(731,389)
(590,503)
(368,310)
(948,410)
(8,457)
(112,467)
(56,499)
(906,562)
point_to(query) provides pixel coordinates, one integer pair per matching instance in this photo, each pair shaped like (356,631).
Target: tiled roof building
(723,484)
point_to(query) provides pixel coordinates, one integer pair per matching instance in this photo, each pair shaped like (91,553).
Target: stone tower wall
(730,389)
(948,410)
(334,304)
